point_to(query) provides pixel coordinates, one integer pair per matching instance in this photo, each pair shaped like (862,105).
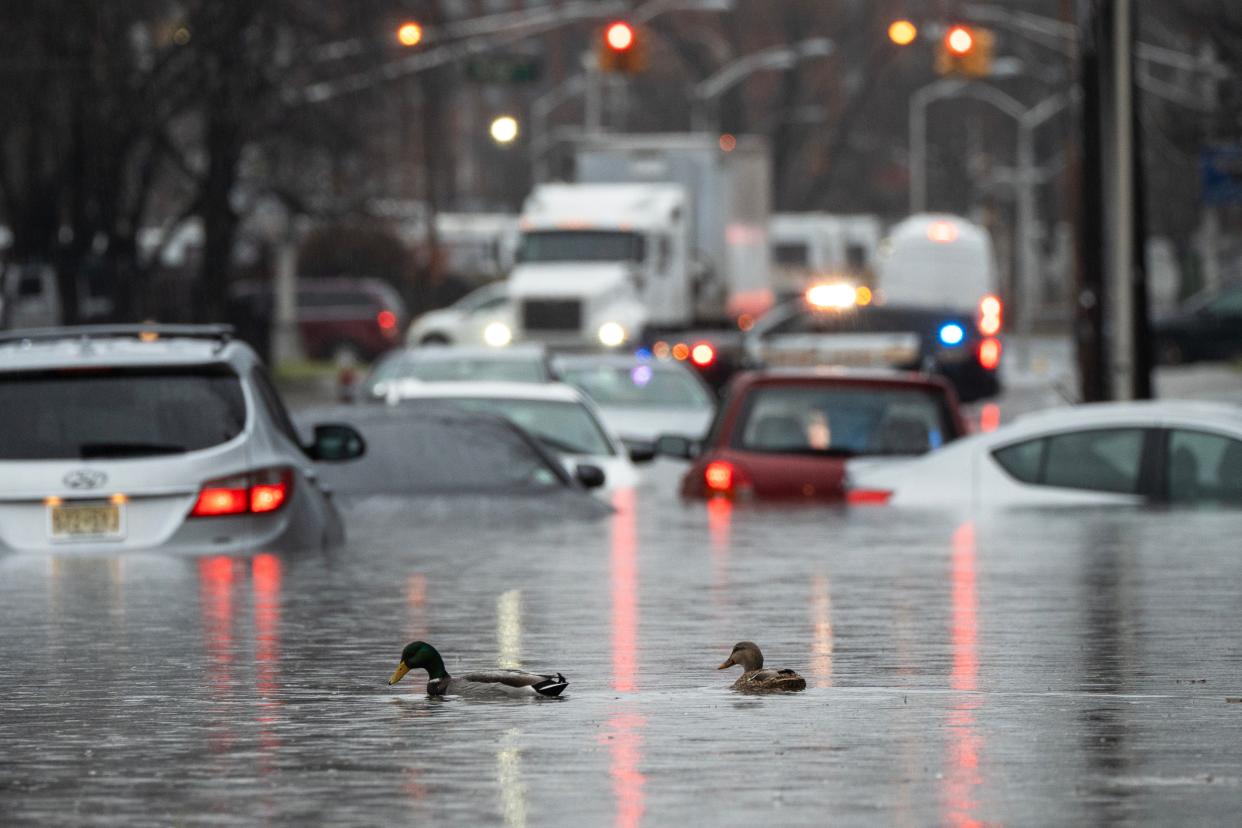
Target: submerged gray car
(132,437)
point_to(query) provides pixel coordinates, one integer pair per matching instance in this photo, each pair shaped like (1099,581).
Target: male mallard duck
(754,678)
(513,683)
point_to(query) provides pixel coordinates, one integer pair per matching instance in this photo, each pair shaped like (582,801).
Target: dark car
(358,317)
(945,342)
(1207,327)
(788,434)
(445,451)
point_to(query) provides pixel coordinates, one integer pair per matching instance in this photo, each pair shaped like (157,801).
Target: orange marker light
(902,32)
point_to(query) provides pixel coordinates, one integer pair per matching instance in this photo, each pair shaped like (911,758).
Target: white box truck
(660,233)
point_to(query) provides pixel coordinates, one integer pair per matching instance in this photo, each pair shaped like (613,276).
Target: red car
(788,434)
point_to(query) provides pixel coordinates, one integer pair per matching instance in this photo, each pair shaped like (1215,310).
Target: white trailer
(728,190)
(810,247)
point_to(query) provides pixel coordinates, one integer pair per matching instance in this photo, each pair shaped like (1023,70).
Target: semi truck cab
(598,264)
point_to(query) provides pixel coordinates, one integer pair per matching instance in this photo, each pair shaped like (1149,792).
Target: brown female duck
(754,678)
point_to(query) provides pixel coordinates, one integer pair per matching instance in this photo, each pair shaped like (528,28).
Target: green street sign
(504,68)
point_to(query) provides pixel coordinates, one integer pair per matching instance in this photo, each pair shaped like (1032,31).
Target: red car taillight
(990,353)
(723,478)
(253,493)
(703,354)
(871,497)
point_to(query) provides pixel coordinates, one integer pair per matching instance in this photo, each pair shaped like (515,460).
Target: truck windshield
(581,246)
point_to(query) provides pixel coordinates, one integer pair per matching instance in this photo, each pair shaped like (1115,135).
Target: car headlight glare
(611,334)
(497,334)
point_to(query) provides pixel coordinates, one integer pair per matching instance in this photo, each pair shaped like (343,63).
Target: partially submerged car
(129,437)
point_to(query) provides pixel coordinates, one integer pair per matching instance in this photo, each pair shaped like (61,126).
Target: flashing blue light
(643,353)
(952,334)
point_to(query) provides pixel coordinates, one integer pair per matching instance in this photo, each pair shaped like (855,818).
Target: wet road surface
(1059,667)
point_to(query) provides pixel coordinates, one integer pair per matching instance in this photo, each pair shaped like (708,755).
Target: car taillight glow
(255,493)
(386,319)
(719,476)
(990,315)
(860,497)
(990,353)
(702,354)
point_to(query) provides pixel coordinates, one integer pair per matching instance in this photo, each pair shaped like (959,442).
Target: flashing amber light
(660,350)
(681,351)
(386,319)
(728,143)
(990,353)
(942,232)
(148,336)
(52,501)
(719,476)
(868,497)
(118,499)
(959,40)
(838,295)
(863,295)
(619,36)
(902,32)
(702,354)
(410,34)
(990,313)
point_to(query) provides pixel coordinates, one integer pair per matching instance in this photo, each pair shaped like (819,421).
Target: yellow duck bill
(398,673)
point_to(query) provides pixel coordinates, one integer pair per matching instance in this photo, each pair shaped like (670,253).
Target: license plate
(73,521)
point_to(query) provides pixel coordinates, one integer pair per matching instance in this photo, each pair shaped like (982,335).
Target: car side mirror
(641,452)
(591,477)
(674,445)
(336,443)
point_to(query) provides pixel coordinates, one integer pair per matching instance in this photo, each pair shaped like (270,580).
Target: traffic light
(902,32)
(410,33)
(965,51)
(622,49)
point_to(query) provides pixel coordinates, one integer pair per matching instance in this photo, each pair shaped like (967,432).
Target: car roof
(553,391)
(614,360)
(1139,412)
(102,346)
(836,374)
(446,353)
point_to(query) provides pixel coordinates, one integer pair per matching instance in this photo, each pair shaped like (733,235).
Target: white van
(937,261)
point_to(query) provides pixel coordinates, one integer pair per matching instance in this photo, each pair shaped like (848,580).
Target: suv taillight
(254,493)
(721,477)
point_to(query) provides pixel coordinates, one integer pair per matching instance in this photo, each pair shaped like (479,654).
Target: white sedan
(1101,454)
(557,415)
(481,317)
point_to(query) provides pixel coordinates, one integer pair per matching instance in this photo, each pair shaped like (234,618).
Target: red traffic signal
(966,51)
(619,36)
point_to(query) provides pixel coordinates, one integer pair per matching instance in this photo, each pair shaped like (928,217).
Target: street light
(504,129)
(902,32)
(410,33)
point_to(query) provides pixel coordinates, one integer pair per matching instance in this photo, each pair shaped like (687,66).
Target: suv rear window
(118,412)
(842,421)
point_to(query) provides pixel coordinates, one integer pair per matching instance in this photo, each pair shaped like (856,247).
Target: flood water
(1056,667)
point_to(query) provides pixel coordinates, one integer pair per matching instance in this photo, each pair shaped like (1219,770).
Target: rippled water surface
(1030,668)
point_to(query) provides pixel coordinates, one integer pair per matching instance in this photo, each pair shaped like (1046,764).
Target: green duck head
(419,654)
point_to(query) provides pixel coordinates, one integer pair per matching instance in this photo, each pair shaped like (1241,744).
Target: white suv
(127,437)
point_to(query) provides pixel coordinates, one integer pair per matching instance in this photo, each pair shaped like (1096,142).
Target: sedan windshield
(842,421)
(581,246)
(118,412)
(641,385)
(566,427)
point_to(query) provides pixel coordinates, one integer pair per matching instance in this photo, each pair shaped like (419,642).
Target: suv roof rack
(218,333)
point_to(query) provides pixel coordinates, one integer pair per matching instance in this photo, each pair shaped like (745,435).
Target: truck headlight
(611,334)
(497,335)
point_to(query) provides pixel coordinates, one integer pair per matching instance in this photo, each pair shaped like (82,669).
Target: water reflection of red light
(624,573)
(265,579)
(416,604)
(821,622)
(626,742)
(215,577)
(719,528)
(963,777)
